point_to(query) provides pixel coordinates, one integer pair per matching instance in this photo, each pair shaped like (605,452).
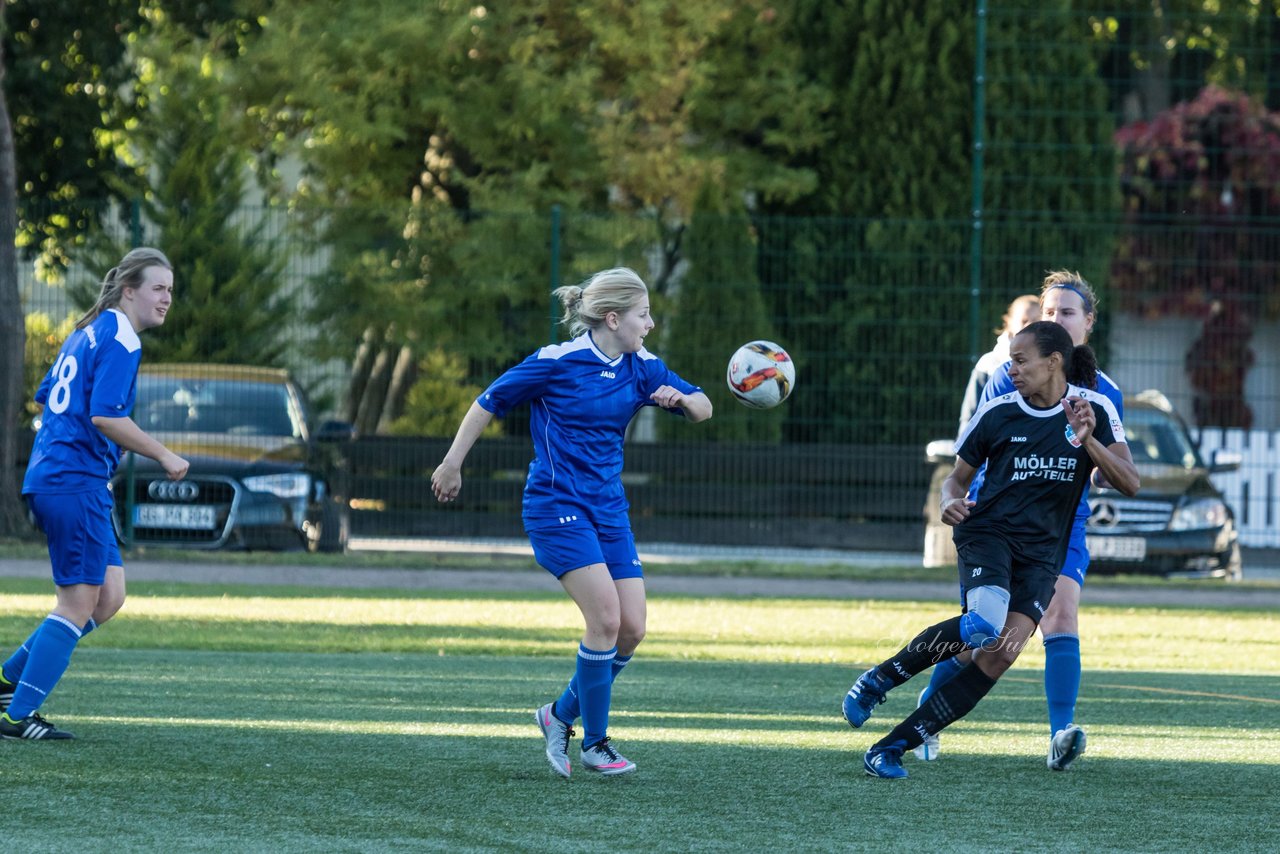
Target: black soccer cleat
(32,727)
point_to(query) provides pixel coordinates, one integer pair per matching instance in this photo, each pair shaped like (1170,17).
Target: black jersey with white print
(1036,470)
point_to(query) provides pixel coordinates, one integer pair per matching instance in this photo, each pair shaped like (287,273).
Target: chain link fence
(1138,147)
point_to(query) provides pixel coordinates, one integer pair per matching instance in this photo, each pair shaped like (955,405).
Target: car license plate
(1117,548)
(189,517)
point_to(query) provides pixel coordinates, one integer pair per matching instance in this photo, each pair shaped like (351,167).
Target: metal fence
(1136,148)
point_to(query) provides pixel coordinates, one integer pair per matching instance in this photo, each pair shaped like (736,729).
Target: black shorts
(990,561)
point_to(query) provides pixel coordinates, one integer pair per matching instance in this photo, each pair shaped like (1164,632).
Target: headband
(1088,304)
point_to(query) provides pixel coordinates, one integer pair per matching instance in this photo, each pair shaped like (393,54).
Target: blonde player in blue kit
(583,393)
(88,396)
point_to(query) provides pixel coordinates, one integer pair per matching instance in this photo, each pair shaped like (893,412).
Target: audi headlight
(1198,514)
(281,485)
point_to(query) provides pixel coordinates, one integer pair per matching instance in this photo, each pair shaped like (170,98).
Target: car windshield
(1154,437)
(198,405)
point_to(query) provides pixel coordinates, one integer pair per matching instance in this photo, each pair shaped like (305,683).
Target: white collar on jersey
(125,332)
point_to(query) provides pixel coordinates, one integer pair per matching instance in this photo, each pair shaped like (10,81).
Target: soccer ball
(761,375)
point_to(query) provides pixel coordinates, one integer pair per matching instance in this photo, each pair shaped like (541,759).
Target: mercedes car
(1179,523)
(262,475)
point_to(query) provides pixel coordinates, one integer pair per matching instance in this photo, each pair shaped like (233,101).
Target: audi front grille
(197,511)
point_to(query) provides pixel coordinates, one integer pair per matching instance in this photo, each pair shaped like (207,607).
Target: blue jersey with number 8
(95,375)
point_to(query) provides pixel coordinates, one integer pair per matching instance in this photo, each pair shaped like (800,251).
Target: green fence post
(975,240)
(555,271)
(128,500)
(135,223)
(135,239)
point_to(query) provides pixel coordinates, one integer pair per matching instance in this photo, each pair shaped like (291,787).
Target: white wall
(1152,353)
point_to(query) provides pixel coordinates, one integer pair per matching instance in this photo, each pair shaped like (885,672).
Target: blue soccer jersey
(1000,385)
(95,374)
(581,402)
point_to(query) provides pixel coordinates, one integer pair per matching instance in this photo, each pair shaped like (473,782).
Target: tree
(1197,180)
(717,308)
(886,243)
(71,89)
(12,332)
(228,271)
(438,139)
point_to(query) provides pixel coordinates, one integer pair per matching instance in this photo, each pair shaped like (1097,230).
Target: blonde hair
(127,274)
(1019,302)
(1072,282)
(619,289)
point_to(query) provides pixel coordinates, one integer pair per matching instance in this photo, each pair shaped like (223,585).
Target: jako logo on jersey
(93,338)
(1017,438)
(1071,437)
(610,374)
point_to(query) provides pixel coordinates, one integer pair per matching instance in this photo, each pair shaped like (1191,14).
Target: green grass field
(215,719)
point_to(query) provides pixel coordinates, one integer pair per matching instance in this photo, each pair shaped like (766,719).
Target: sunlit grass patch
(235,718)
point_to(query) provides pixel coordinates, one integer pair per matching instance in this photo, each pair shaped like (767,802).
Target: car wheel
(334,530)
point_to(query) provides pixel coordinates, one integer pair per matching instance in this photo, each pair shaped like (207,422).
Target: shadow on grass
(201,751)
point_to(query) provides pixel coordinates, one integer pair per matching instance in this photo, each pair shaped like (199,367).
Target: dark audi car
(1178,523)
(259,478)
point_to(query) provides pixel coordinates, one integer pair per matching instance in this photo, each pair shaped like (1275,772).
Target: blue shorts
(1077,560)
(573,545)
(82,540)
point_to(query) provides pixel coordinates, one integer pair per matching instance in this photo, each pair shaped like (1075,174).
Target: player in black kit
(1040,444)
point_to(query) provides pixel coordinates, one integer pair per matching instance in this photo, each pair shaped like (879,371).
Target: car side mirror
(336,431)
(1223,461)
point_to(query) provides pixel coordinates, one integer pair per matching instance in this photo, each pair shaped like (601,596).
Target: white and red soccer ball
(761,374)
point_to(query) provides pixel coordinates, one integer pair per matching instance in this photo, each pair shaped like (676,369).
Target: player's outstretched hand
(667,397)
(446,482)
(1080,416)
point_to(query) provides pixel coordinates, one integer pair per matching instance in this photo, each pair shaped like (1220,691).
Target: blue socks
(595,679)
(943,672)
(49,654)
(13,667)
(567,708)
(1061,679)
(12,670)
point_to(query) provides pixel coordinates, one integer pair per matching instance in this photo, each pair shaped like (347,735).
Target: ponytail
(619,289)
(1082,367)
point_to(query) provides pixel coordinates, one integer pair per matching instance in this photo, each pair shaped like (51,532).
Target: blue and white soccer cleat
(886,762)
(1065,747)
(867,693)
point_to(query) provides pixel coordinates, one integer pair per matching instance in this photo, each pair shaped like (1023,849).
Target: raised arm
(696,406)
(1114,461)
